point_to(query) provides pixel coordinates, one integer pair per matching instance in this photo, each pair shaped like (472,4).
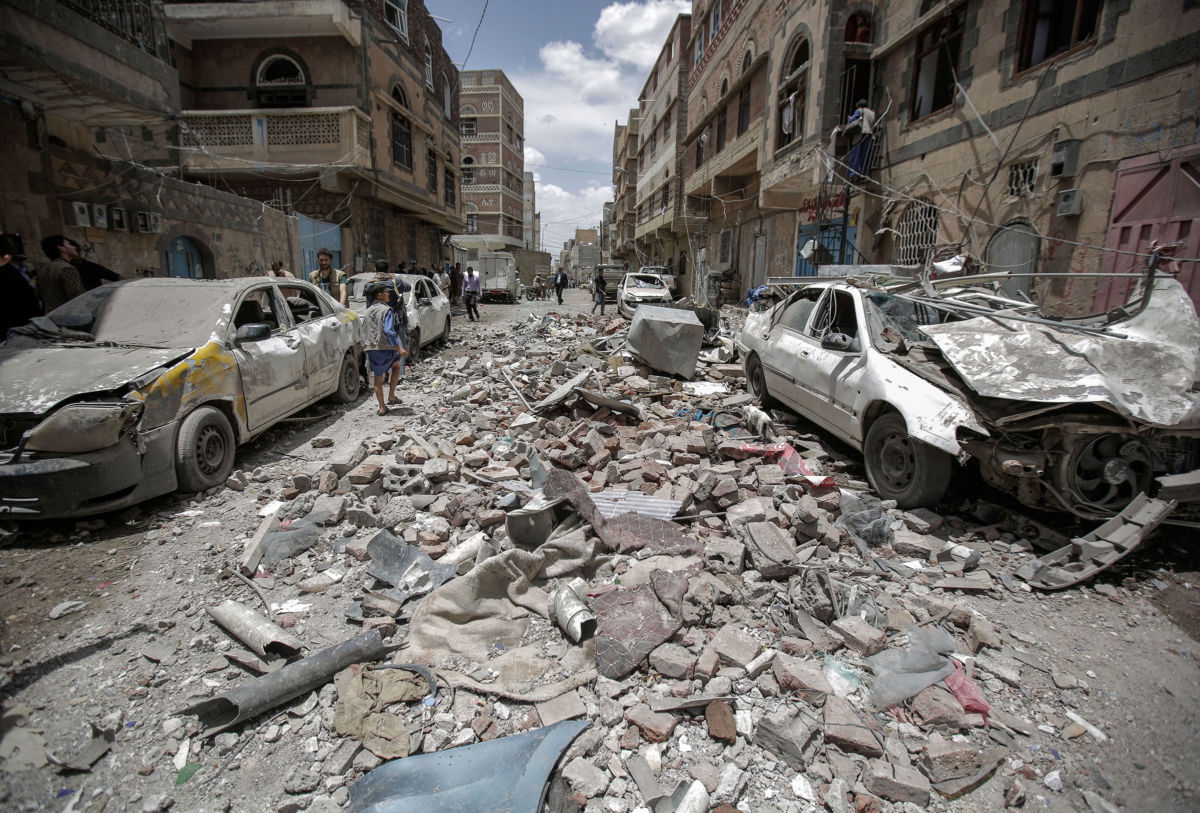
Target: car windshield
(146,315)
(902,315)
(643,281)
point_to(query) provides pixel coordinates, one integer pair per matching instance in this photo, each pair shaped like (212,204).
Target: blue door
(183,259)
(315,235)
(829,237)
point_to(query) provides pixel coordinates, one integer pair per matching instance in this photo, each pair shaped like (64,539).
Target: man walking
(60,281)
(443,280)
(329,279)
(599,286)
(560,282)
(472,290)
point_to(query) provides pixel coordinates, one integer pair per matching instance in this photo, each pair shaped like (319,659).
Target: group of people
(26,291)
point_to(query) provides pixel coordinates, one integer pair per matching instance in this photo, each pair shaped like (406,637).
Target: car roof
(232,286)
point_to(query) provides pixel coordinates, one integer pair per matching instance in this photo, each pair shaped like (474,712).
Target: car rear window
(151,315)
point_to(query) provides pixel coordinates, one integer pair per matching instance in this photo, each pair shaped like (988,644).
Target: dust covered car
(1067,415)
(428,308)
(641,289)
(144,387)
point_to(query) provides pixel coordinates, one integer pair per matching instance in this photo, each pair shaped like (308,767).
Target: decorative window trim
(399,21)
(916,233)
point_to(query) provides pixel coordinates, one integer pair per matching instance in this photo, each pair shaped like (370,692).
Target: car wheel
(444,339)
(912,473)
(204,451)
(349,381)
(414,346)
(758,382)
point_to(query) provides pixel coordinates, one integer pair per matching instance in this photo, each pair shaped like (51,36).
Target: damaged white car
(136,389)
(641,289)
(1066,415)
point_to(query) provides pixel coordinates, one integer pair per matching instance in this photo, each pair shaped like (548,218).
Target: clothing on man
(381,337)
(560,282)
(18,300)
(59,282)
(329,279)
(93,274)
(443,280)
(472,290)
(599,287)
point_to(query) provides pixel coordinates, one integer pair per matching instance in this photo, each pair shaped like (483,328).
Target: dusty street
(1094,691)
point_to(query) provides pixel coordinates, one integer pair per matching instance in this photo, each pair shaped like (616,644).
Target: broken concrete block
(328,509)
(922,520)
(708,663)
(489,517)
(437,470)
(566,706)
(937,707)
(735,647)
(896,783)
(850,731)
(755,510)
(786,733)
(945,760)
(673,661)
(655,726)
(772,551)
(721,722)
(585,778)
(910,543)
(368,471)
(803,677)
(859,635)
(981,633)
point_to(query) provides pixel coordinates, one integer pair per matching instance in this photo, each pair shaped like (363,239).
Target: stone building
(89,104)
(531,226)
(492,122)
(625,175)
(661,233)
(344,113)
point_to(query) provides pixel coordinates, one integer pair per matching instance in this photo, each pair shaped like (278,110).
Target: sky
(580,67)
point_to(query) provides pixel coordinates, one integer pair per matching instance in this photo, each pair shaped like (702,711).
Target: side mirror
(253,332)
(424,302)
(836,341)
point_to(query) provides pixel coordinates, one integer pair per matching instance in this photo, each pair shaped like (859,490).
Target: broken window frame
(943,41)
(793,87)
(1039,21)
(395,14)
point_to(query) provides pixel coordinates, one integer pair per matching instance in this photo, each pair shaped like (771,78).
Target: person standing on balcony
(329,279)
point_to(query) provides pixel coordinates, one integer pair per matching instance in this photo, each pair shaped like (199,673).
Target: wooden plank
(253,552)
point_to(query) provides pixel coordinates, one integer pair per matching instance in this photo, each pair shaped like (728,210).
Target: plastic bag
(863,515)
(901,673)
(290,539)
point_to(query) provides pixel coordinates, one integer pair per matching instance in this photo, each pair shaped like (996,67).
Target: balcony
(481,138)
(282,19)
(237,141)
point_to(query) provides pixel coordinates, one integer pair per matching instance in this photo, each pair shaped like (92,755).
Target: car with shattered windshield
(148,386)
(427,304)
(638,288)
(1076,415)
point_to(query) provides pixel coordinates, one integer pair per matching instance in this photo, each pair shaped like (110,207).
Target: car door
(325,338)
(271,369)
(785,346)
(832,377)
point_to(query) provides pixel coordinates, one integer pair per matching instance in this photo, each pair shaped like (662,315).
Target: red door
(1156,197)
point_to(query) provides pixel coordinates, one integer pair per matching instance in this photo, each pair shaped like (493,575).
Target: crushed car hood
(31,379)
(1146,370)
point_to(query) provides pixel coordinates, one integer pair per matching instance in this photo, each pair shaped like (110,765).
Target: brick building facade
(493,156)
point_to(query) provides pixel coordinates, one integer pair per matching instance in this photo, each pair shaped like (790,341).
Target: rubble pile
(569,534)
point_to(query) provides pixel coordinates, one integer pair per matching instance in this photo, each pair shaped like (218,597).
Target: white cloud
(635,32)
(564,210)
(533,156)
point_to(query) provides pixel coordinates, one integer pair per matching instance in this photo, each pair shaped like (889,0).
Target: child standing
(383,345)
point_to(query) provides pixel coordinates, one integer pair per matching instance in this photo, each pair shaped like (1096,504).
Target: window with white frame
(428,66)
(714,20)
(395,12)
(466,126)
(792,95)
(472,224)
(916,232)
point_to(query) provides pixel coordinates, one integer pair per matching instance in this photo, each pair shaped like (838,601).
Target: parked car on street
(428,308)
(144,387)
(669,279)
(641,289)
(1065,415)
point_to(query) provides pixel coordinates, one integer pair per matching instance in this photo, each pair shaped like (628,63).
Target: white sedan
(641,289)
(428,308)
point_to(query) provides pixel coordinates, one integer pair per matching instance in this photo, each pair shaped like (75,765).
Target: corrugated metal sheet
(614,503)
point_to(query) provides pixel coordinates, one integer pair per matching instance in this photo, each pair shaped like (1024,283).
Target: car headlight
(82,428)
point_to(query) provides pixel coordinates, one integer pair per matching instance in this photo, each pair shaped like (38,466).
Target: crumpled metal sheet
(613,503)
(506,775)
(1146,371)
(408,568)
(630,624)
(625,533)
(34,379)
(667,339)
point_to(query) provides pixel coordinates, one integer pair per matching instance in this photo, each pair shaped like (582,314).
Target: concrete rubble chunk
(803,677)
(673,661)
(566,706)
(720,720)
(896,783)
(852,732)
(655,726)
(786,733)
(859,635)
(735,647)
(585,778)
(772,551)
(937,707)
(907,542)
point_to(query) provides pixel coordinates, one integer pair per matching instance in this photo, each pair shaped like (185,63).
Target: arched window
(858,28)
(428,66)
(793,90)
(402,155)
(281,81)
(916,232)
(746,60)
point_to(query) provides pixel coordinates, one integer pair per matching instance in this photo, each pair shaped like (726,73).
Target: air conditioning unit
(149,222)
(1064,159)
(118,219)
(99,215)
(76,213)
(156,224)
(1070,202)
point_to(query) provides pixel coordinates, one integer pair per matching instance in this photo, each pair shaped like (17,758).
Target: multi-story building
(608,233)
(585,253)
(89,111)
(530,225)
(492,123)
(625,169)
(661,232)
(341,111)
(727,114)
